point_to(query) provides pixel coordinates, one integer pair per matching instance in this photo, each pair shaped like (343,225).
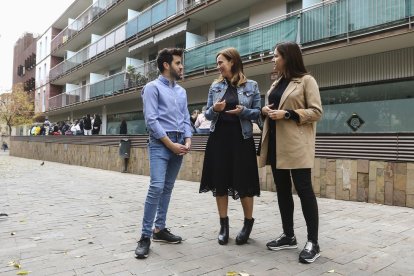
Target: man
(168,122)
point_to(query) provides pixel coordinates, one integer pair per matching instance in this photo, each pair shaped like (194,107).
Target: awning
(141,44)
(170,32)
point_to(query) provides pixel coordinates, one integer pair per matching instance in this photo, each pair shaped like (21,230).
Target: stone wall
(380,182)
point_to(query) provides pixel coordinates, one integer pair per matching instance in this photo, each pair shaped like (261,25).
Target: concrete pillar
(104,120)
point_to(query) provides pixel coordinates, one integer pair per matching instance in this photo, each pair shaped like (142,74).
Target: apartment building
(24,62)
(97,56)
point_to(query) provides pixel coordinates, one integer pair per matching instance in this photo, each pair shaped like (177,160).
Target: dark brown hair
(166,55)
(231,54)
(292,55)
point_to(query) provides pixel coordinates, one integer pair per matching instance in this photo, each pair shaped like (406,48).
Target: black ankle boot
(223,237)
(244,234)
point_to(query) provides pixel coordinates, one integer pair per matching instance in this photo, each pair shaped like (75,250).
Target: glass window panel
(382,107)
(110,40)
(144,20)
(159,12)
(135,123)
(171,7)
(132,27)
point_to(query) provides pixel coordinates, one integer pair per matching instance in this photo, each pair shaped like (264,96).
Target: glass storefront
(386,107)
(135,123)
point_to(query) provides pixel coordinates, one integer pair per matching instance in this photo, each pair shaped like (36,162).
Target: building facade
(97,56)
(24,62)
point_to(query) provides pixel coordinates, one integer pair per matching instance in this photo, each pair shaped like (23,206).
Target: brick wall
(356,180)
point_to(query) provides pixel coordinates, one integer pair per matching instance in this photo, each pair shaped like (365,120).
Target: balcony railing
(90,14)
(339,18)
(318,24)
(323,23)
(103,44)
(157,13)
(151,16)
(78,95)
(249,41)
(107,87)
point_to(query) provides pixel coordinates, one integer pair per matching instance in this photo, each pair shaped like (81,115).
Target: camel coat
(295,141)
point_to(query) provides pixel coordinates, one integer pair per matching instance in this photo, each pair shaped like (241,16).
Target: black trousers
(303,185)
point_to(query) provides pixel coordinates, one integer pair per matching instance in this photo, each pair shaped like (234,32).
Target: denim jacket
(249,97)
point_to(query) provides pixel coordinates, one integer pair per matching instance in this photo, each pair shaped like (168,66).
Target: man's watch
(287,115)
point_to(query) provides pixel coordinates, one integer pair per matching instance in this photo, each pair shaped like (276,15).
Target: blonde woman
(230,165)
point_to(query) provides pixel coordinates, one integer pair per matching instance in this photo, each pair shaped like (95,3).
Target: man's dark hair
(166,55)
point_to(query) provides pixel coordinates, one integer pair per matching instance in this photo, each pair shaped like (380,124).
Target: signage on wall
(355,122)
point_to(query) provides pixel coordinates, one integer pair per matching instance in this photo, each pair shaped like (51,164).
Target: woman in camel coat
(293,105)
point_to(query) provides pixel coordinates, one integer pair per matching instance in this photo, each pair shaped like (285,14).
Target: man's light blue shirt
(165,108)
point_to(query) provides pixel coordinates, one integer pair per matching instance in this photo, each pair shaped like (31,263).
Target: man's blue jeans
(164,168)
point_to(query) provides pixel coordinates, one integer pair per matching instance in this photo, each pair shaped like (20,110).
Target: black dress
(230,165)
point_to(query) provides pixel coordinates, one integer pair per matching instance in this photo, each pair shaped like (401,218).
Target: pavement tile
(71,220)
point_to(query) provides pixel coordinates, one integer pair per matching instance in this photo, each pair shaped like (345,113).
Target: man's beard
(175,75)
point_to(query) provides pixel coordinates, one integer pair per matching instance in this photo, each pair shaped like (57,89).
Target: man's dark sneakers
(165,235)
(309,253)
(142,250)
(283,242)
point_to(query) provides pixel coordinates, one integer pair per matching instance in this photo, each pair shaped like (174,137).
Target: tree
(16,108)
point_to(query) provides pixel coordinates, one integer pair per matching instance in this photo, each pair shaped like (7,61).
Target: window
(40,49)
(46,46)
(385,107)
(232,22)
(293,5)
(233,28)
(44,101)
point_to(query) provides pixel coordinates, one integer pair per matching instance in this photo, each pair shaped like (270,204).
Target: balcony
(107,87)
(157,13)
(325,23)
(151,16)
(89,15)
(100,47)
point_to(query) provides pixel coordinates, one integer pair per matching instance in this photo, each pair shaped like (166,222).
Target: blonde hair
(231,54)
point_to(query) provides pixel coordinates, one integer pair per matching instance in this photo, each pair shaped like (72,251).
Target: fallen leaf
(23,272)
(232,273)
(15,264)
(331,271)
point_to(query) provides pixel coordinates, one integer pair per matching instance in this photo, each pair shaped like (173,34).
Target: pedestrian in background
(123,128)
(87,125)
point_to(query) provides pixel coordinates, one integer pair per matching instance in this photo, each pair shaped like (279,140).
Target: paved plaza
(71,220)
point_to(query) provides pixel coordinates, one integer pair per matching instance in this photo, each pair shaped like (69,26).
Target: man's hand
(188,144)
(178,149)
